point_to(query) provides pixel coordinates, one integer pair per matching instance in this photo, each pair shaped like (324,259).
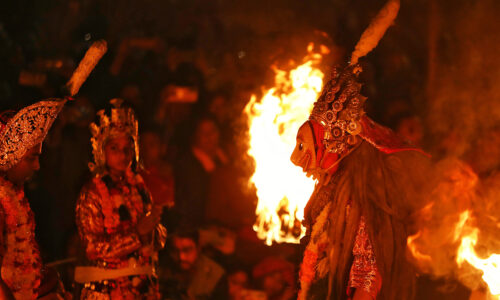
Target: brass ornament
(121,122)
(339,110)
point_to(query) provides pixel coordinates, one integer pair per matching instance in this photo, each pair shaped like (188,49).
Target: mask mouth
(305,161)
(313,173)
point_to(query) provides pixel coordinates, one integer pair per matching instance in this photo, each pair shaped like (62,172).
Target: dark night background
(433,78)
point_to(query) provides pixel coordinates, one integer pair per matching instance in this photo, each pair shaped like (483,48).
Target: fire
(414,249)
(282,189)
(489,266)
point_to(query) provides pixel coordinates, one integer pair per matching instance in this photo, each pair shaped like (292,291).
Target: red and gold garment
(107,214)
(364,274)
(21,265)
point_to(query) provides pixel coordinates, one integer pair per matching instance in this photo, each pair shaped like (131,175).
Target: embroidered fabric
(26,129)
(364,273)
(21,264)
(107,215)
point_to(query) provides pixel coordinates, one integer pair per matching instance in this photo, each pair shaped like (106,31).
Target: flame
(414,249)
(489,266)
(283,190)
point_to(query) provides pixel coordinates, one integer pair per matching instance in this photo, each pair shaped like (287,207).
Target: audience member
(276,277)
(194,169)
(157,173)
(186,273)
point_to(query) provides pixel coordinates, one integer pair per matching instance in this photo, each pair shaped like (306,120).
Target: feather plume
(88,63)
(376,30)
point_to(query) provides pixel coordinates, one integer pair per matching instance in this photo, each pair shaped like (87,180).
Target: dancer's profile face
(119,152)
(304,154)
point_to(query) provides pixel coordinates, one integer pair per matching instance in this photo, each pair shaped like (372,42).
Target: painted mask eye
(301,146)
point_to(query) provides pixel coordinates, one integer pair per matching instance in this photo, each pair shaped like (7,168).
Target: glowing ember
(283,190)
(490,266)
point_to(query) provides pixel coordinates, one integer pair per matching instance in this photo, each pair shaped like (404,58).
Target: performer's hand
(148,223)
(49,284)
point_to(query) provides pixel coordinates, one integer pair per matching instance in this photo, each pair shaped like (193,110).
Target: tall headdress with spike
(121,122)
(30,125)
(339,109)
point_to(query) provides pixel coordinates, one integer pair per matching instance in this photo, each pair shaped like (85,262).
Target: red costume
(368,186)
(121,264)
(21,265)
(107,216)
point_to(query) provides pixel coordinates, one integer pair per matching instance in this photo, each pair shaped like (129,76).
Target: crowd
(187,92)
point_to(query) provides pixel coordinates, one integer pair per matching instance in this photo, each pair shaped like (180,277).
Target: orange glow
(489,266)
(414,249)
(282,189)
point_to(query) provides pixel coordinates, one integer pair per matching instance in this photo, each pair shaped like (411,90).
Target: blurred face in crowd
(26,167)
(119,153)
(184,252)
(151,147)
(207,137)
(218,108)
(237,282)
(132,93)
(273,284)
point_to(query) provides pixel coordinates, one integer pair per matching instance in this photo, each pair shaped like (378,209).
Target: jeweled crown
(339,109)
(121,122)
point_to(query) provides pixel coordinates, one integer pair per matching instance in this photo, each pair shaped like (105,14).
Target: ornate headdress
(30,125)
(339,109)
(121,122)
(26,129)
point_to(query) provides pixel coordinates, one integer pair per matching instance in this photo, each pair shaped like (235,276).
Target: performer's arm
(99,243)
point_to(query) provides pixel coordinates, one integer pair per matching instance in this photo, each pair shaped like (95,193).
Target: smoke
(464,116)
(464,96)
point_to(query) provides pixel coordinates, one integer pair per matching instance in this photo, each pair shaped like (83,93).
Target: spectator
(194,170)
(157,172)
(275,276)
(188,274)
(238,282)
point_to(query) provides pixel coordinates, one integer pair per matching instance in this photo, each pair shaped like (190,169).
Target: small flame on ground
(282,188)
(490,266)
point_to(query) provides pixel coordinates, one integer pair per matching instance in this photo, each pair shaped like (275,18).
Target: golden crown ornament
(121,122)
(339,110)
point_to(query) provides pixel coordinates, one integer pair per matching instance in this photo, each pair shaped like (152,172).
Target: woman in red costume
(116,218)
